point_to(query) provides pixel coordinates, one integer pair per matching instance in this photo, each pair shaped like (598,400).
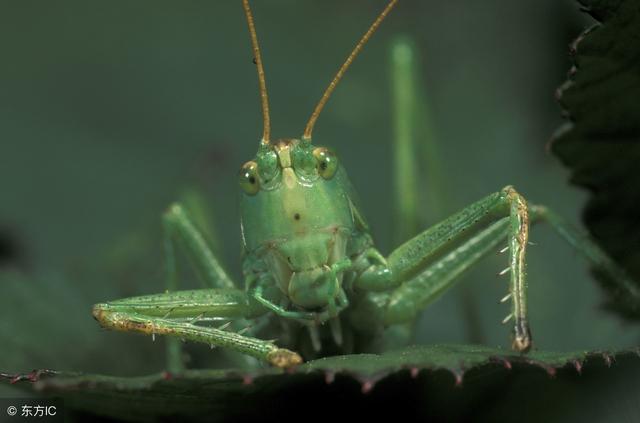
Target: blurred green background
(110,110)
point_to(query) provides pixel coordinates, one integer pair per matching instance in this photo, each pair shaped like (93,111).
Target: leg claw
(284,358)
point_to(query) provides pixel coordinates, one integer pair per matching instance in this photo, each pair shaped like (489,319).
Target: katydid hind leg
(418,163)
(405,169)
(417,170)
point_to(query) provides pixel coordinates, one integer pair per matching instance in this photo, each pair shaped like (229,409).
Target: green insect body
(310,261)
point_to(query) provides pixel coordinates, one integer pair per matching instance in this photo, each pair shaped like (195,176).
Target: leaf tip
(414,371)
(367,386)
(458,377)
(329,377)
(608,359)
(502,360)
(578,366)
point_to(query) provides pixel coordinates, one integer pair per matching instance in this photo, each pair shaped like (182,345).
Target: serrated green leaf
(601,143)
(195,393)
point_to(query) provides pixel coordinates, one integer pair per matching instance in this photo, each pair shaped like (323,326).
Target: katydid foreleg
(480,223)
(177,313)
(448,253)
(413,296)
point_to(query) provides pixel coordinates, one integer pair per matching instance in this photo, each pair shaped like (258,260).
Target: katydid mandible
(309,260)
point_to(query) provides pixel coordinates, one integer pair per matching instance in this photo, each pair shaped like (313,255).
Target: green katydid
(310,261)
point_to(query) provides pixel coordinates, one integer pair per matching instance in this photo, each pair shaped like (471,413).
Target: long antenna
(316,112)
(266,133)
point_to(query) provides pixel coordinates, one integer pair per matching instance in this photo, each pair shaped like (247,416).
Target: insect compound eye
(327,162)
(248,178)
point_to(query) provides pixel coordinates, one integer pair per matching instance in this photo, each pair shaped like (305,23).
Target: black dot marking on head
(296,216)
(323,165)
(252,179)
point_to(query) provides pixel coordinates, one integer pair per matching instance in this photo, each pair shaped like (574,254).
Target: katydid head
(296,214)
(296,205)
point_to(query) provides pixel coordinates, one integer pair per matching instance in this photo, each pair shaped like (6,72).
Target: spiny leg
(178,313)
(410,298)
(438,242)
